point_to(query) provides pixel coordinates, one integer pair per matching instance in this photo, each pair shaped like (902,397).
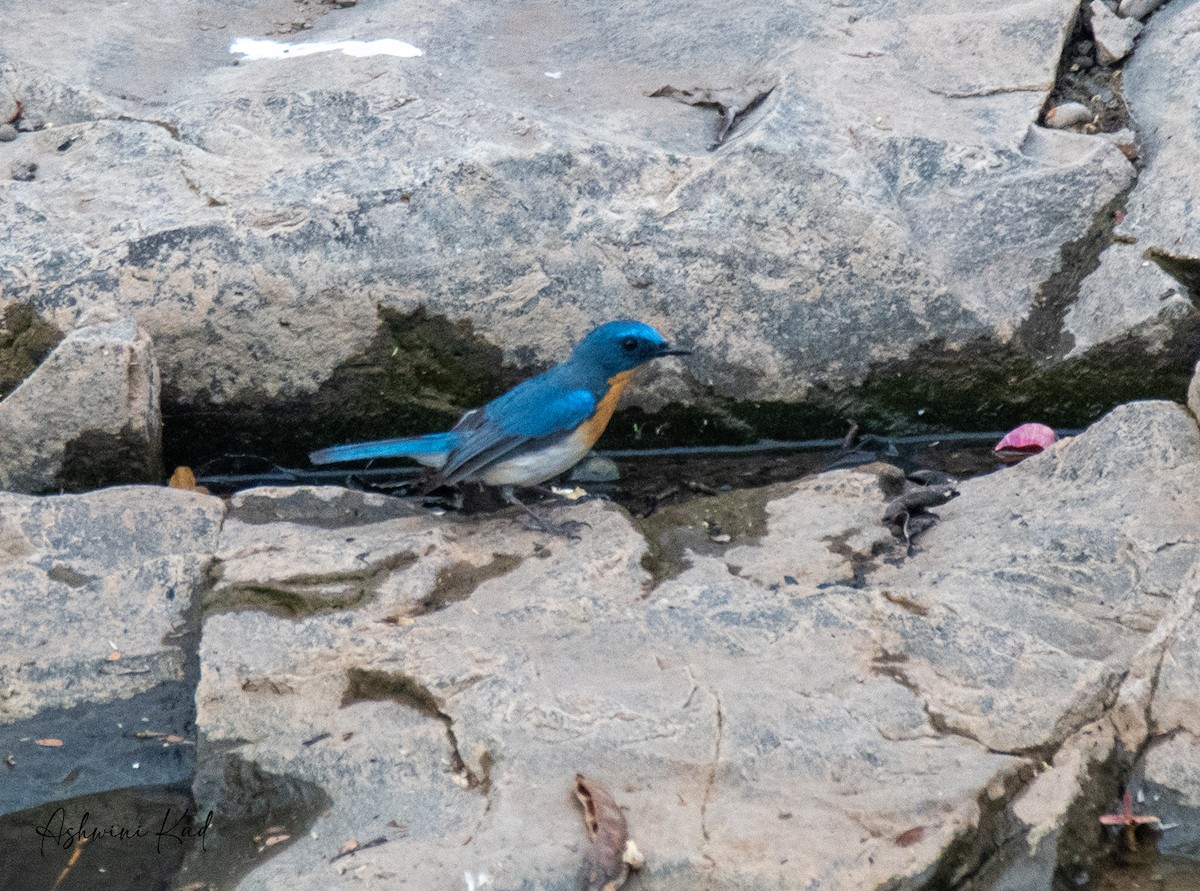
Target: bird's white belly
(537,467)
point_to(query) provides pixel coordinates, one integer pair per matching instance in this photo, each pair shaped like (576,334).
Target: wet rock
(899,709)
(1068,114)
(99,595)
(1114,35)
(598,201)
(87,416)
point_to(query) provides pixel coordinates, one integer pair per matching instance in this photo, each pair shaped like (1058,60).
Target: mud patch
(304,595)
(708,526)
(456,583)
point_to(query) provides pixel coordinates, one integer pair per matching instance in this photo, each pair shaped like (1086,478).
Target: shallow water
(155,838)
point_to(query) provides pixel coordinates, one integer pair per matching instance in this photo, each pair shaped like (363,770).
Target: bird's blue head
(622,346)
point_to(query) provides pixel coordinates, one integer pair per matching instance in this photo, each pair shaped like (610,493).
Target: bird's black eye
(629,344)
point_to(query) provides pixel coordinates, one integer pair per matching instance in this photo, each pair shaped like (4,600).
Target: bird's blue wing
(522,418)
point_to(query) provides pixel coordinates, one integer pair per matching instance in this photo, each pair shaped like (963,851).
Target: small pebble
(1069,114)
(7,132)
(24,171)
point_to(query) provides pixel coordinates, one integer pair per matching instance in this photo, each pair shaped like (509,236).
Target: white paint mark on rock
(255,49)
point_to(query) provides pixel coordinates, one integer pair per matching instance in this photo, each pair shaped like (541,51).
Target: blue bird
(539,428)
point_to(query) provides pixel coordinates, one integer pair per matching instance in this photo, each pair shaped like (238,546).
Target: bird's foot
(569,529)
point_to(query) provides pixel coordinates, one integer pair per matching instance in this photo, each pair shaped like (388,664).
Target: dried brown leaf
(732,102)
(275,839)
(608,833)
(49,743)
(182,478)
(113,656)
(910,837)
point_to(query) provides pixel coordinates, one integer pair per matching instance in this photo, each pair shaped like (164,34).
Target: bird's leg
(567,529)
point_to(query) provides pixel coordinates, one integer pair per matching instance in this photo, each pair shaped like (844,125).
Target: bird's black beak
(665,350)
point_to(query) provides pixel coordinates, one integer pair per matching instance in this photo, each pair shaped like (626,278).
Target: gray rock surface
(1162,221)
(1114,35)
(758,733)
(84,577)
(1193,395)
(892,183)
(1127,294)
(87,416)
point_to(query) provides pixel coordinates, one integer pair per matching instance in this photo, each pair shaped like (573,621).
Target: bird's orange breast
(591,429)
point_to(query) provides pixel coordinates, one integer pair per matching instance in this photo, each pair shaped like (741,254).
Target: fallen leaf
(113,656)
(910,837)
(1127,817)
(275,839)
(49,743)
(183,478)
(732,102)
(606,857)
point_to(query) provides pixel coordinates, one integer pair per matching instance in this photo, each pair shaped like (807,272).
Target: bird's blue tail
(430,450)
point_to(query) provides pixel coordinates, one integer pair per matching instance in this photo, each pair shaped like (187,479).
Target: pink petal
(1028,438)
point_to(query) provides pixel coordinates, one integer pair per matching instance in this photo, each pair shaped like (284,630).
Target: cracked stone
(240,175)
(82,576)
(87,416)
(1030,627)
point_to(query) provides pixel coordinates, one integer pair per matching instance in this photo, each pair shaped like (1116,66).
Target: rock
(7,132)
(1125,140)
(596,469)
(100,599)
(1193,395)
(479,189)
(1068,114)
(1127,293)
(1038,611)
(1138,9)
(1148,280)
(479,666)
(87,416)
(23,171)
(1114,35)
